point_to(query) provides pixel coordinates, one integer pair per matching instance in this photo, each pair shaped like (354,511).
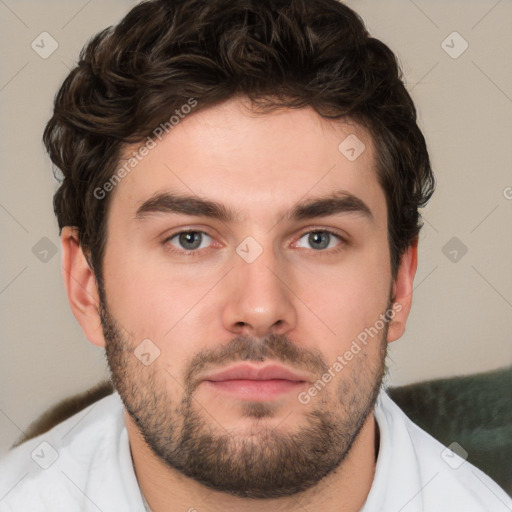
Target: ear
(81,286)
(402,291)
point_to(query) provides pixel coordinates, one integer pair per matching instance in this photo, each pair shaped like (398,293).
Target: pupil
(190,238)
(315,238)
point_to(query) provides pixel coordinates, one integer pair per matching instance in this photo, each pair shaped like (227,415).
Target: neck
(345,489)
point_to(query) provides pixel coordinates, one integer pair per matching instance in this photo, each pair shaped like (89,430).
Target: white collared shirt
(84,464)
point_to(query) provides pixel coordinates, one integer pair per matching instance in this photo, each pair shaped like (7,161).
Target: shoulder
(424,474)
(62,468)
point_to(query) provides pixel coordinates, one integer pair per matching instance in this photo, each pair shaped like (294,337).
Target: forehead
(257,165)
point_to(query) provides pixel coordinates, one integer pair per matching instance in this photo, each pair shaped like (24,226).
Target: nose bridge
(260,299)
(261,274)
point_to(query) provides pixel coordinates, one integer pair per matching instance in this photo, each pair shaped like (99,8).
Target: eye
(188,240)
(321,239)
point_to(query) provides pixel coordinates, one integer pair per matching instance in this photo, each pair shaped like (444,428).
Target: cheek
(345,301)
(170,308)
(143,293)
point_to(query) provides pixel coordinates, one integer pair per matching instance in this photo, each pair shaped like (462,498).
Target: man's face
(262,289)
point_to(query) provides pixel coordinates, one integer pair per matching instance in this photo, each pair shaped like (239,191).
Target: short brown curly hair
(277,53)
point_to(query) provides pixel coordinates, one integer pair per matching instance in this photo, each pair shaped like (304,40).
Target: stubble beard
(265,462)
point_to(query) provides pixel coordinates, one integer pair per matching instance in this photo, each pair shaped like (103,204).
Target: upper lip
(251,372)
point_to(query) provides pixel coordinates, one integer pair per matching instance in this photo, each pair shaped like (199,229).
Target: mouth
(255,383)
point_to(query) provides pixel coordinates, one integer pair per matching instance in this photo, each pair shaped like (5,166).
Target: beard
(264,462)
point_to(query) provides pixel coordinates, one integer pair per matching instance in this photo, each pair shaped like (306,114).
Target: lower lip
(255,389)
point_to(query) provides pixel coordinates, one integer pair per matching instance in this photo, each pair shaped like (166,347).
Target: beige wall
(462,314)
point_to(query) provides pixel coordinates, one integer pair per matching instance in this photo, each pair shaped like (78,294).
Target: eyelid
(167,239)
(332,231)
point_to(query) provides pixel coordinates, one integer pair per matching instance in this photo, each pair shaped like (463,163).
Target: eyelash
(193,253)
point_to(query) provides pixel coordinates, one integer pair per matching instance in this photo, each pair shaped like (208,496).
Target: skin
(320,300)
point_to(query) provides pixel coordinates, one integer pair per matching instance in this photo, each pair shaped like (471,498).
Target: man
(239,223)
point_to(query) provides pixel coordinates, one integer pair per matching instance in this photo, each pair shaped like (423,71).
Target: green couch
(475,411)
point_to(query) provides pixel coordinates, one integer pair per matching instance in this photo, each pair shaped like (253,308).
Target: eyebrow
(340,202)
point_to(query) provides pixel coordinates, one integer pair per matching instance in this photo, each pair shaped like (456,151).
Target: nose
(259,299)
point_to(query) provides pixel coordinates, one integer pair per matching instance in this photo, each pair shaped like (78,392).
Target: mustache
(277,348)
(274,347)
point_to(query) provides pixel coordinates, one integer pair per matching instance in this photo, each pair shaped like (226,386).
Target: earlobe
(402,291)
(81,286)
